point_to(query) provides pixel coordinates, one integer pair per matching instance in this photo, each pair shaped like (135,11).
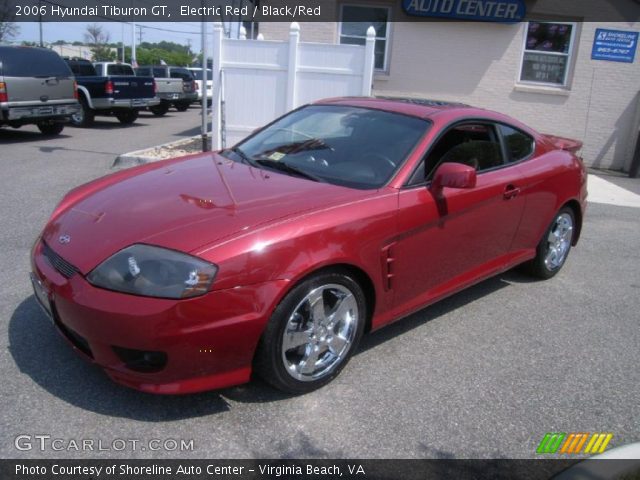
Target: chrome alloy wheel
(319,332)
(559,241)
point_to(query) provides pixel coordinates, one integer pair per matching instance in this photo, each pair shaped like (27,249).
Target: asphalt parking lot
(483,374)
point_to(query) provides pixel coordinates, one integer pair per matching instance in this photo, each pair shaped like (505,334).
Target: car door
(448,241)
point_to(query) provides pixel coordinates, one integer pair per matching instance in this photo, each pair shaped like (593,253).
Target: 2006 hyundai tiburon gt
(273,257)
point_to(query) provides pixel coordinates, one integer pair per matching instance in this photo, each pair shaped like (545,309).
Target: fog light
(141,360)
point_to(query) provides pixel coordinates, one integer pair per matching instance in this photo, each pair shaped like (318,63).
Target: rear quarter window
(519,145)
(32,62)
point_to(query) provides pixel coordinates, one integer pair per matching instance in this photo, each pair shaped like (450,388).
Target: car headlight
(154,272)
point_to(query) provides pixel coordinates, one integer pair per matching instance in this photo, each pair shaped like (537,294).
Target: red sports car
(274,257)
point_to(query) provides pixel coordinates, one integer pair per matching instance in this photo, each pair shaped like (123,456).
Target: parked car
(274,257)
(198,75)
(103,93)
(164,73)
(36,87)
(170,91)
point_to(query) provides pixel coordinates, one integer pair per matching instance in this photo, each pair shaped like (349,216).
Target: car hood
(181,205)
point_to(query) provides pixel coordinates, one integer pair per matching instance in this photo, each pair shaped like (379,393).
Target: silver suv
(36,87)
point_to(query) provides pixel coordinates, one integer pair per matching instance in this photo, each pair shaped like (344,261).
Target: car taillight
(3,92)
(155,87)
(75,90)
(108,87)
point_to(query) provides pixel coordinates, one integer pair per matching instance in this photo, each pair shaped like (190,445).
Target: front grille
(60,264)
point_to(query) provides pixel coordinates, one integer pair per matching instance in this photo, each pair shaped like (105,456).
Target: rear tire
(127,117)
(182,107)
(159,110)
(553,249)
(312,333)
(50,128)
(85,117)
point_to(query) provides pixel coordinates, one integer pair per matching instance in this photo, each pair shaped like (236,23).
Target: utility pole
(134,61)
(139,34)
(205,78)
(40,23)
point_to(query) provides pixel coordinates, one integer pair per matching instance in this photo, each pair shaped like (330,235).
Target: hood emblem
(64,239)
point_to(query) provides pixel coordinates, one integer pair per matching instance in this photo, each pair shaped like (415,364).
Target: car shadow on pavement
(10,136)
(108,123)
(42,354)
(443,307)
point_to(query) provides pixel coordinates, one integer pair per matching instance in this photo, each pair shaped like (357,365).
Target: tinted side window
(159,73)
(82,69)
(32,62)
(143,72)
(519,145)
(475,145)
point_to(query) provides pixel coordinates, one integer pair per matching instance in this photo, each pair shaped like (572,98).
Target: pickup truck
(36,87)
(163,73)
(170,91)
(110,89)
(198,75)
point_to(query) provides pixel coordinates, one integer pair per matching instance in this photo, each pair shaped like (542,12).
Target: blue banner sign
(503,11)
(614,45)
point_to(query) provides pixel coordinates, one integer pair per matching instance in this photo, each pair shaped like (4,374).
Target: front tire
(553,249)
(50,128)
(127,117)
(312,333)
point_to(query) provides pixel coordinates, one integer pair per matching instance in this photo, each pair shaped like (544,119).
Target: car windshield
(350,146)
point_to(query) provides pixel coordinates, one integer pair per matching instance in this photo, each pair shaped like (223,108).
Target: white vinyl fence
(256,81)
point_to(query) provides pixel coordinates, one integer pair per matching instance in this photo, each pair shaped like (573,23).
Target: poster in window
(538,67)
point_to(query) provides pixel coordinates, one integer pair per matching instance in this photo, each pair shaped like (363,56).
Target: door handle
(510,191)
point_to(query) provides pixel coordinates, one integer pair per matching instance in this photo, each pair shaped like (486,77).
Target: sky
(181,32)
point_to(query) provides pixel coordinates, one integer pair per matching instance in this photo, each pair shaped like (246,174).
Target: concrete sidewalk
(604,191)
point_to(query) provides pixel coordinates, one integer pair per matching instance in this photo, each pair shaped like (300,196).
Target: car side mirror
(453,175)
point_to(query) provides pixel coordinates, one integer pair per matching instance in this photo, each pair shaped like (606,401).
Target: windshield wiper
(243,156)
(287,168)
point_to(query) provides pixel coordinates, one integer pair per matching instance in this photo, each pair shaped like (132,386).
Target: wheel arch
(85,93)
(574,205)
(360,276)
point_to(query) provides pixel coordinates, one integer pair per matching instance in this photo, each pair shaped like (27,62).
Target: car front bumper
(205,342)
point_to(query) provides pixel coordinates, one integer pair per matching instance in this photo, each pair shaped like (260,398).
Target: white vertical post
(203,87)
(218,33)
(243,33)
(294,40)
(134,60)
(369,61)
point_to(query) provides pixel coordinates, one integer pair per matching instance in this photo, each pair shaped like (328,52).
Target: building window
(355,20)
(547,53)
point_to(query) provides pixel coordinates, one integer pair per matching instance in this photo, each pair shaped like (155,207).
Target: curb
(140,157)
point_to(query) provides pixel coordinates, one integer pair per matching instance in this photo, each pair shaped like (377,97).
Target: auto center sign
(504,11)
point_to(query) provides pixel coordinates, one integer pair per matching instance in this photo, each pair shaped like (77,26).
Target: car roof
(417,107)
